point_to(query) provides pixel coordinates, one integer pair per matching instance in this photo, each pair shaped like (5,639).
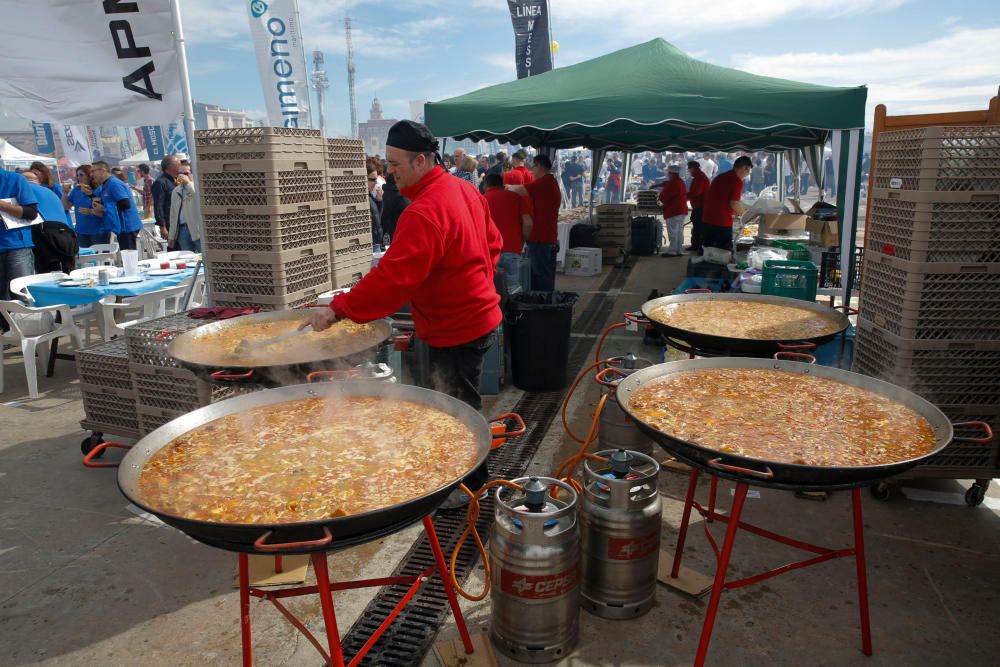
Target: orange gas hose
(600,343)
(473,513)
(574,460)
(565,422)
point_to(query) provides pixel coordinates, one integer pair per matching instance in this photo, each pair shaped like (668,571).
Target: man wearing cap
(673,197)
(696,195)
(519,175)
(442,261)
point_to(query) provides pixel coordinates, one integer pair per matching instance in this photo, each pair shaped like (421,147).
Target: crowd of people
(92,203)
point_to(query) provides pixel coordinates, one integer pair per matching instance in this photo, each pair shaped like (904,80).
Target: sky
(916,56)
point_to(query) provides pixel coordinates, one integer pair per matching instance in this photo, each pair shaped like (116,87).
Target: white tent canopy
(142,157)
(11,157)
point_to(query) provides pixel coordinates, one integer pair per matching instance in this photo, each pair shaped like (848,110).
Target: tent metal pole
(188,118)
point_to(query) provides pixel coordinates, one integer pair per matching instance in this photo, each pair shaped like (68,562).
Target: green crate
(796,251)
(792,278)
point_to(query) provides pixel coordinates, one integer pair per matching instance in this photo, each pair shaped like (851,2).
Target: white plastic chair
(197,293)
(105,247)
(145,307)
(83,316)
(33,328)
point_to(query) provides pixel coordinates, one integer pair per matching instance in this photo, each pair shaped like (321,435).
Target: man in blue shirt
(16,259)
(116,206)
(725,164)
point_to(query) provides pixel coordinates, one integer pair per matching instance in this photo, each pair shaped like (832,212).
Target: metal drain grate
(410,637)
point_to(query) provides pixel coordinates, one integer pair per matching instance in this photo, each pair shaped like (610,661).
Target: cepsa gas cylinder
(620,519)
(535,561)
(616,428)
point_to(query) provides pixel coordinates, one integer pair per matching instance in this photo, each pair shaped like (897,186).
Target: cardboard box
(822,233)
(783,222)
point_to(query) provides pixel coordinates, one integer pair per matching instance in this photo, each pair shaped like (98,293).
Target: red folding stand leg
(859,560)
(245,634)
(682,531)
(326,603)
(442,569)
(720,573)
(713,491)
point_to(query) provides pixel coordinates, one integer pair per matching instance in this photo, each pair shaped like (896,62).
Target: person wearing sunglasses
(114,203)
(88,225)
(375,204)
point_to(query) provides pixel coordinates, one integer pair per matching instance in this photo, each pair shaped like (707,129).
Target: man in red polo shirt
(512,216)
(442,261)
(519,175)
(546,198)
(696,195)
(721,202)
(673,197)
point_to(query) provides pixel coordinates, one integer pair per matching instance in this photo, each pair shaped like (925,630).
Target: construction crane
(320,84)
(350,71)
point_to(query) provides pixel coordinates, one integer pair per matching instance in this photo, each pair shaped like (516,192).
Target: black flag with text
(531,36)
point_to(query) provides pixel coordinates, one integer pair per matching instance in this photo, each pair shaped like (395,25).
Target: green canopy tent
(655,97)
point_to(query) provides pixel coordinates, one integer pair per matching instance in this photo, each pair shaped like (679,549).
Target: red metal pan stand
(332,653)
(733,523)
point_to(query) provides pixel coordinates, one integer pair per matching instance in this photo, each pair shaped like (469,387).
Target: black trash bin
(539,325)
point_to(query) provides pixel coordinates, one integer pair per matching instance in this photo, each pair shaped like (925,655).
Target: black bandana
(411,136)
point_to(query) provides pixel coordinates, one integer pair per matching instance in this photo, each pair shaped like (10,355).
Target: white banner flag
(75,146)
(113,63)
(277,39)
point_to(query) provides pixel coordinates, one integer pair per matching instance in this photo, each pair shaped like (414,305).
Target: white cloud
(217,21)
(954,72)
(640,20)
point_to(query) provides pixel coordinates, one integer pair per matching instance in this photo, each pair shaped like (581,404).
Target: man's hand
(98,207)
(164,233)
(321,320)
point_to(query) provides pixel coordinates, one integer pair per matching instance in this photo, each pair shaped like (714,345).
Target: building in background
(214,117)
(376,130)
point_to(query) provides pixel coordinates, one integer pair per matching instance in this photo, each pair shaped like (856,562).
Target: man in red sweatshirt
(442,261)
(696,195)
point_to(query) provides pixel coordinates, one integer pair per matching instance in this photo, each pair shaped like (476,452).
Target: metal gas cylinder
(616,429)
(535,575)
(620,519)
(372,371)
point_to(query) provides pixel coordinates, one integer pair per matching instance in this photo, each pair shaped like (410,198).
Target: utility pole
(320,84)
(350,70)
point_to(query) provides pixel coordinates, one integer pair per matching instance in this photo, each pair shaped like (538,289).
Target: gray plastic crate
(965,460)
(931,301)
(173,388)
(269,274)
(347,221)
(112,409)
(243,189)
(943,372)
(939,158)
(255,143)
(270,303)
(105,365)
(345,155)
(306,226)
(148,341)
(925,227)
(345,190)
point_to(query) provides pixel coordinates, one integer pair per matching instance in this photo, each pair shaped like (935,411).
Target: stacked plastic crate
(263,195)
(163,390)
(615,234)
(648,201)
(930,304)
(109,401)
(349,213)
